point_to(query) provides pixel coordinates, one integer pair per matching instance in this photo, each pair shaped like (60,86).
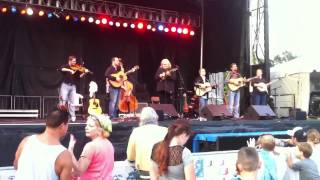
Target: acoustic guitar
(170,71)
(94,106)
(236,84)
(123,77)
(202,88)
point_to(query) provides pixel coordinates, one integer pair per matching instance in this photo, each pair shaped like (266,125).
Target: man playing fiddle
(67,96)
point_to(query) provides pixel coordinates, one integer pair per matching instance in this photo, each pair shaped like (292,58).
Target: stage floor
(13,130)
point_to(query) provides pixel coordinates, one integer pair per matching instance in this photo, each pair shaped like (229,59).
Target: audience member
(171,160)
(41,156)
(142,140)
(313,137)
(307,168)
(97,158)
(248,163)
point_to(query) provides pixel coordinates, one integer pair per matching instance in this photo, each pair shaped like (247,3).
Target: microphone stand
(181,89)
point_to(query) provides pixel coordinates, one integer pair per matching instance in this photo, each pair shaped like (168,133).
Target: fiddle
(80,68)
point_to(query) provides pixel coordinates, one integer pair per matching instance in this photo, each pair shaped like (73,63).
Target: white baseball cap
(292,131)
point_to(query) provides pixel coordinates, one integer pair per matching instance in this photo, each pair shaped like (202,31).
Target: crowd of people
(158,152)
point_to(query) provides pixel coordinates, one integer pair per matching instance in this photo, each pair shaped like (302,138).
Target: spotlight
(179,30)
(166,29)
(125,24)
(132,26)
(41,13)
(13,9)
(97,21)
(192,33)
(118,24)
(75,19)
(82,19)
(104,21)
(160,27)
(67,18)
(90,19)
(111,23)
(153,29)
(29,11)
(140,25)
(185,31)
(4,10)
(50,15)
(23,11)
(173,29)
(149,26)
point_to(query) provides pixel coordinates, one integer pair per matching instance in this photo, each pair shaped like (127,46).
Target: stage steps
(19,113)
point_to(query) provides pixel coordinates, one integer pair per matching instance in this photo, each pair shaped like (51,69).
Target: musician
(234,96)
(114,92)
(67,94)
(165,77)
(258,97)
(200,83)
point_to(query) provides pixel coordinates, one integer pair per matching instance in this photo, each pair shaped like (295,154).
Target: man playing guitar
(202,87)
(114,68)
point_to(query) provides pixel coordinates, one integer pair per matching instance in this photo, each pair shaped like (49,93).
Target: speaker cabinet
(215,112)
(259,112)
(168,109)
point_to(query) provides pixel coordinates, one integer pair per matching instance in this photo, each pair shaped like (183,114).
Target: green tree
(284,57)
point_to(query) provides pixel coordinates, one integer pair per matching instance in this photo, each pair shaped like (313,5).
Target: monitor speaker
(259,112)
(215,112)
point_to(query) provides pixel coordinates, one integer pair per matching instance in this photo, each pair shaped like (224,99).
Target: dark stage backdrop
(32,48)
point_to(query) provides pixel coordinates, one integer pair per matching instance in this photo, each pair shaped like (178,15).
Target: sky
(294,25)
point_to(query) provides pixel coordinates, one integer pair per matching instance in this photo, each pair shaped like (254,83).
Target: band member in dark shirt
(201,84)
(234,96)
(166,78)
(115,67)
(67,96)
(259,96)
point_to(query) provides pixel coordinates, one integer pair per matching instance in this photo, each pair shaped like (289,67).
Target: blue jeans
(203,101)
(113,102)
(259,99)
(234,103)
(67,97)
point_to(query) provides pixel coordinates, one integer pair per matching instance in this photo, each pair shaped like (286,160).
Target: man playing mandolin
(71,72)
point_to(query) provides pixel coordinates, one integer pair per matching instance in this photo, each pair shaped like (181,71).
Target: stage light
(192,33)
(75,19)
(179,30)
(153,29)
(97,21)
(50,15)
(13,9)
(111,23)
(104,21)
(160,27)
(23,11)
(82,19)
(90,19)
(166,29)
(149,26)
(118,24)
(4,10)
(140,25)
(185,31)
(41,13)
(29,11)
(67,18)
(132,26)
(125,24)
(173,29)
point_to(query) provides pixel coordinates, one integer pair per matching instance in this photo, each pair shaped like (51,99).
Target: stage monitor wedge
(215,112)
(259,112)
(168,109)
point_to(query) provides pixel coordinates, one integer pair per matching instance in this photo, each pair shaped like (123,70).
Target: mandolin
(122,76)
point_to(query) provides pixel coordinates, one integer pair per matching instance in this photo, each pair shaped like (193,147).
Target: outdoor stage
(209,135)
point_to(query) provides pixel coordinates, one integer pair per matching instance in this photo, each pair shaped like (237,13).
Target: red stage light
(111,23)
(132,26)
(41,13)
(104,21)
(166,29)
(140,25)
(153,29)
(173,29)
(125,24)
(185,31)
(149,26)
(4,10)
(82,18)
(97,21)
(118,24)
(192,33)
(179,30)
(67,18)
